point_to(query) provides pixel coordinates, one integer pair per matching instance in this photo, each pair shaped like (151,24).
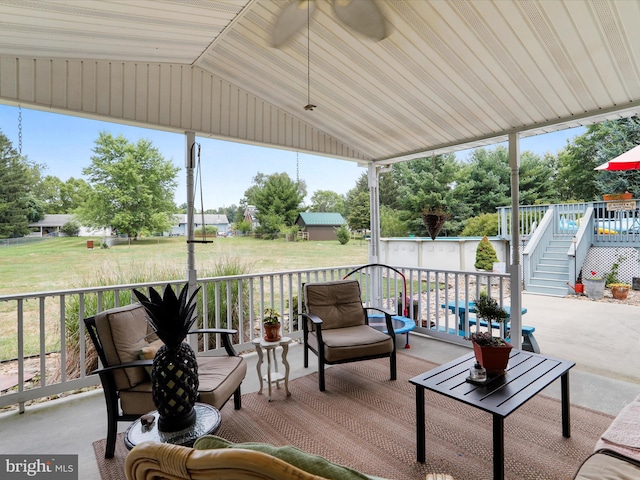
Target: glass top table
(207,422)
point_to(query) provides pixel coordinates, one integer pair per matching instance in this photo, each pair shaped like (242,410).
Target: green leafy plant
(612,276)
(270,317)
(488,309)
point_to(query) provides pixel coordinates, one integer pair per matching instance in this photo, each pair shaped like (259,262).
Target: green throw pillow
(304,461)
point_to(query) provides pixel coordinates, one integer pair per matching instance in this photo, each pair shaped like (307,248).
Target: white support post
(515,270)
(192,274)
(374,225)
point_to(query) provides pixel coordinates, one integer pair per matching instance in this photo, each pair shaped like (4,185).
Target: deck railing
(615,223)
(44,335)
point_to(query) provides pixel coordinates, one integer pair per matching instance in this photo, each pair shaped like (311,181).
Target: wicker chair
(158,461)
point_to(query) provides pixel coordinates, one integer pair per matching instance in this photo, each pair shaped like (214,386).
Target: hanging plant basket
(434,219)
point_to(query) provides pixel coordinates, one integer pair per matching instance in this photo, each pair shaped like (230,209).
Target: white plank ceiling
(450,74)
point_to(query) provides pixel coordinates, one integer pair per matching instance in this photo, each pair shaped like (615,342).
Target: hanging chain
(19,129)
(309,106)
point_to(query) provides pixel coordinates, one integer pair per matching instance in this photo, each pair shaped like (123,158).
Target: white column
(374,225)
(374,214)
(515,269)
(190,163)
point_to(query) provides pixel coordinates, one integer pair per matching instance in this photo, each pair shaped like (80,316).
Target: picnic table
(529,342)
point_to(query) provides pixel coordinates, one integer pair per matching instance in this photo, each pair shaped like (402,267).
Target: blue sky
(63,143)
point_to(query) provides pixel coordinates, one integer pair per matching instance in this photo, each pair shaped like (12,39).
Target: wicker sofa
(617,452)
(157,461)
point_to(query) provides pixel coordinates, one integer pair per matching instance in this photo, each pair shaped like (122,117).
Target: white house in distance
(50,225)
(219,221)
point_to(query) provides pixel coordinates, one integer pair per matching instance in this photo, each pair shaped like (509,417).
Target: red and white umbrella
(627,161)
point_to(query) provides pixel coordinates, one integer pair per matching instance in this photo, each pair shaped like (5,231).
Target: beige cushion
(338,303)
(124,331)
(352,342)
(219,377)
(137,400)
(600,466)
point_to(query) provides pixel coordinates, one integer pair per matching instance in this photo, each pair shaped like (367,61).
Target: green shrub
(208,230)
(343,234)
(71,228)
(482,225)
(485,255)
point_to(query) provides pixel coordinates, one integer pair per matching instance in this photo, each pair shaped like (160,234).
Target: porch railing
(44,334)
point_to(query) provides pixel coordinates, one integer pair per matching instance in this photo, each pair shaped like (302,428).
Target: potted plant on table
(492,353)
(271,324)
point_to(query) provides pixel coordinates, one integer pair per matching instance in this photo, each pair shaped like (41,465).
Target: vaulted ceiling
(449,75)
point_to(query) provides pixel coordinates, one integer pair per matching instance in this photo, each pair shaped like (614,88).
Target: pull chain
(20,130)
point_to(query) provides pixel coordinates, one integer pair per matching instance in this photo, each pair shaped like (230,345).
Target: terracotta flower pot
(272,332)
(619,292)
(493,359)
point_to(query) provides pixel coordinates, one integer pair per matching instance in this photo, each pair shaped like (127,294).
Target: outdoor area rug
(367,422)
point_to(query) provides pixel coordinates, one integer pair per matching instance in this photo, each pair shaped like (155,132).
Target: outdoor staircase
(551,274)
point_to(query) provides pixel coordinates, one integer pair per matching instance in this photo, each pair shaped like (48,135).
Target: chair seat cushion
(304,461)
(352,342)
(219,377)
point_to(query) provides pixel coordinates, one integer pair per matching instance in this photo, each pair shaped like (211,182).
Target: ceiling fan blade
(363,16)
(291,19)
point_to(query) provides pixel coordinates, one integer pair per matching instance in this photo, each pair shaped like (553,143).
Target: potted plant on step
(271,324)
(492,353)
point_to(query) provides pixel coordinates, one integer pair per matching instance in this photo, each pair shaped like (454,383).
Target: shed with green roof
(320,225)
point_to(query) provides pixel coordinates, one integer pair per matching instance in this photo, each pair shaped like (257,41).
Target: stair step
(553,266)
(555,255)
(549,282)
(550,276)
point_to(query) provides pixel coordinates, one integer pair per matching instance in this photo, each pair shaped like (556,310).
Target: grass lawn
(66,262)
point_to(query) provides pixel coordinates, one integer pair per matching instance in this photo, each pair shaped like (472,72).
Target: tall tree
(537,176)
(278,200)
(133,187)
(359,213)
(487,179)
(18,207)
(327,201)
(62,197)
(426,183)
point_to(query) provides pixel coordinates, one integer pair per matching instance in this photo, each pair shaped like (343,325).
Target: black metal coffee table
(528,373)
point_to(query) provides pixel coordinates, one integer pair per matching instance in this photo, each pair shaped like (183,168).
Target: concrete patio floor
(602,338)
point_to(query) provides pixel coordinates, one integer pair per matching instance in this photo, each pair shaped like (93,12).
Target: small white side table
(276,376)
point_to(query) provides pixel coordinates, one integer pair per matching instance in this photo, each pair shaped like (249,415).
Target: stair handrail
(535,247)
(583,241)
